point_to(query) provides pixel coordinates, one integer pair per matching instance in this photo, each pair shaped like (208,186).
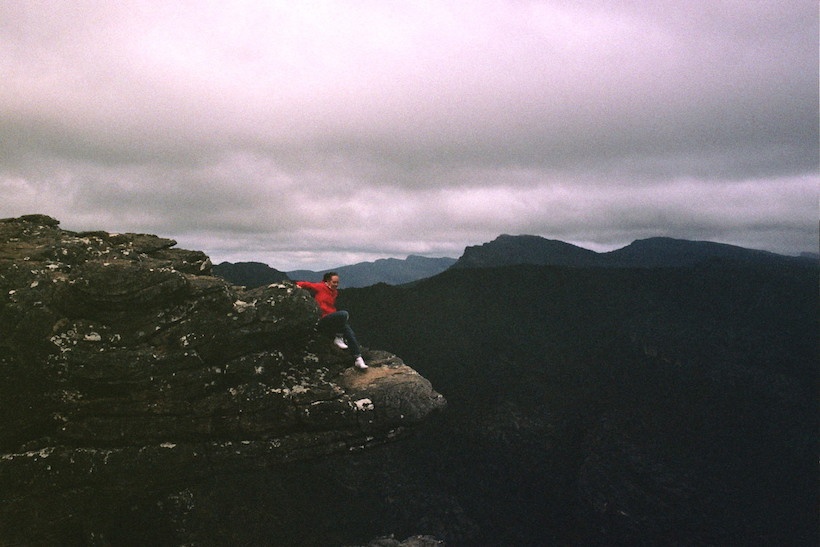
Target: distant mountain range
(392,271)
(655,252)
(513,250)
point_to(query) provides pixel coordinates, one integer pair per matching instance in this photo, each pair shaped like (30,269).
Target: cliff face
(633,406)
(125,365)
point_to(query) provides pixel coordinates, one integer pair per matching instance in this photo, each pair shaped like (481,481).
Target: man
(333,320)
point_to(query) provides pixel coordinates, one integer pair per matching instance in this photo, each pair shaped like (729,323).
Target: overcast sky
(316,134)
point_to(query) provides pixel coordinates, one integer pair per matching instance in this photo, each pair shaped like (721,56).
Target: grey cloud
(300,133)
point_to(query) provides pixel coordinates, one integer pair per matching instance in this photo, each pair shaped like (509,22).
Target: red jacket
(324,295)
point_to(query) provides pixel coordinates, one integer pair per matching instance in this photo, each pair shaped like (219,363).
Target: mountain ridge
(393,271)
(510,250)
(653,252)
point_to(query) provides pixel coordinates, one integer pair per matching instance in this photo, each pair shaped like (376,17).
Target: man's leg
(337,323)
(350,337)
(334,323)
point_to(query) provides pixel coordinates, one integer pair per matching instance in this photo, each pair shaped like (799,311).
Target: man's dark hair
(328,275)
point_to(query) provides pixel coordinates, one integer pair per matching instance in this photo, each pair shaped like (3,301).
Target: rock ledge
(124,363)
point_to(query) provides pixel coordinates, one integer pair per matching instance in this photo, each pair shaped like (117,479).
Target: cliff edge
(124,364)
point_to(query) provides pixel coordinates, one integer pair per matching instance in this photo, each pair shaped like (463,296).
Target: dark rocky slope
(132,382)
(605,406)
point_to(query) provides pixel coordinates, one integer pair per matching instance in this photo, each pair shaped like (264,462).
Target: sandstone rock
(124,364)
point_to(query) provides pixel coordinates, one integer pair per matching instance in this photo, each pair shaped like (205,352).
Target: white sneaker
(359,363)
(339,342)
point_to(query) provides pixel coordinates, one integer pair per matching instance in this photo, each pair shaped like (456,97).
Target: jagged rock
(124,364)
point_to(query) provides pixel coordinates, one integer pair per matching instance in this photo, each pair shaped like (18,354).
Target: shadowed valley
(614,405)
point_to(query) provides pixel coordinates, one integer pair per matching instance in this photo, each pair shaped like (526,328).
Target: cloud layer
(316,134)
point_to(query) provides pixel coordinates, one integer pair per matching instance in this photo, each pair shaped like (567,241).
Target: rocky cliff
(126,366)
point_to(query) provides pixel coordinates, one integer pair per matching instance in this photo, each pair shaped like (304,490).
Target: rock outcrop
(125,365)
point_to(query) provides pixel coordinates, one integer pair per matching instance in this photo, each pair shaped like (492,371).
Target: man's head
(331,279)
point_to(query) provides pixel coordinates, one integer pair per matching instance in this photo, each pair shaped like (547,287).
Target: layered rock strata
(125,364)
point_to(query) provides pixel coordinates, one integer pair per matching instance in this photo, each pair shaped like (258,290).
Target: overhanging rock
(125,364)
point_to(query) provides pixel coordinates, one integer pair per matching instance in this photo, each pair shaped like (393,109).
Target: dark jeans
(336,324)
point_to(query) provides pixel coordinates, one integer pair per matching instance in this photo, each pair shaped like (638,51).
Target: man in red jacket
(333,320)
